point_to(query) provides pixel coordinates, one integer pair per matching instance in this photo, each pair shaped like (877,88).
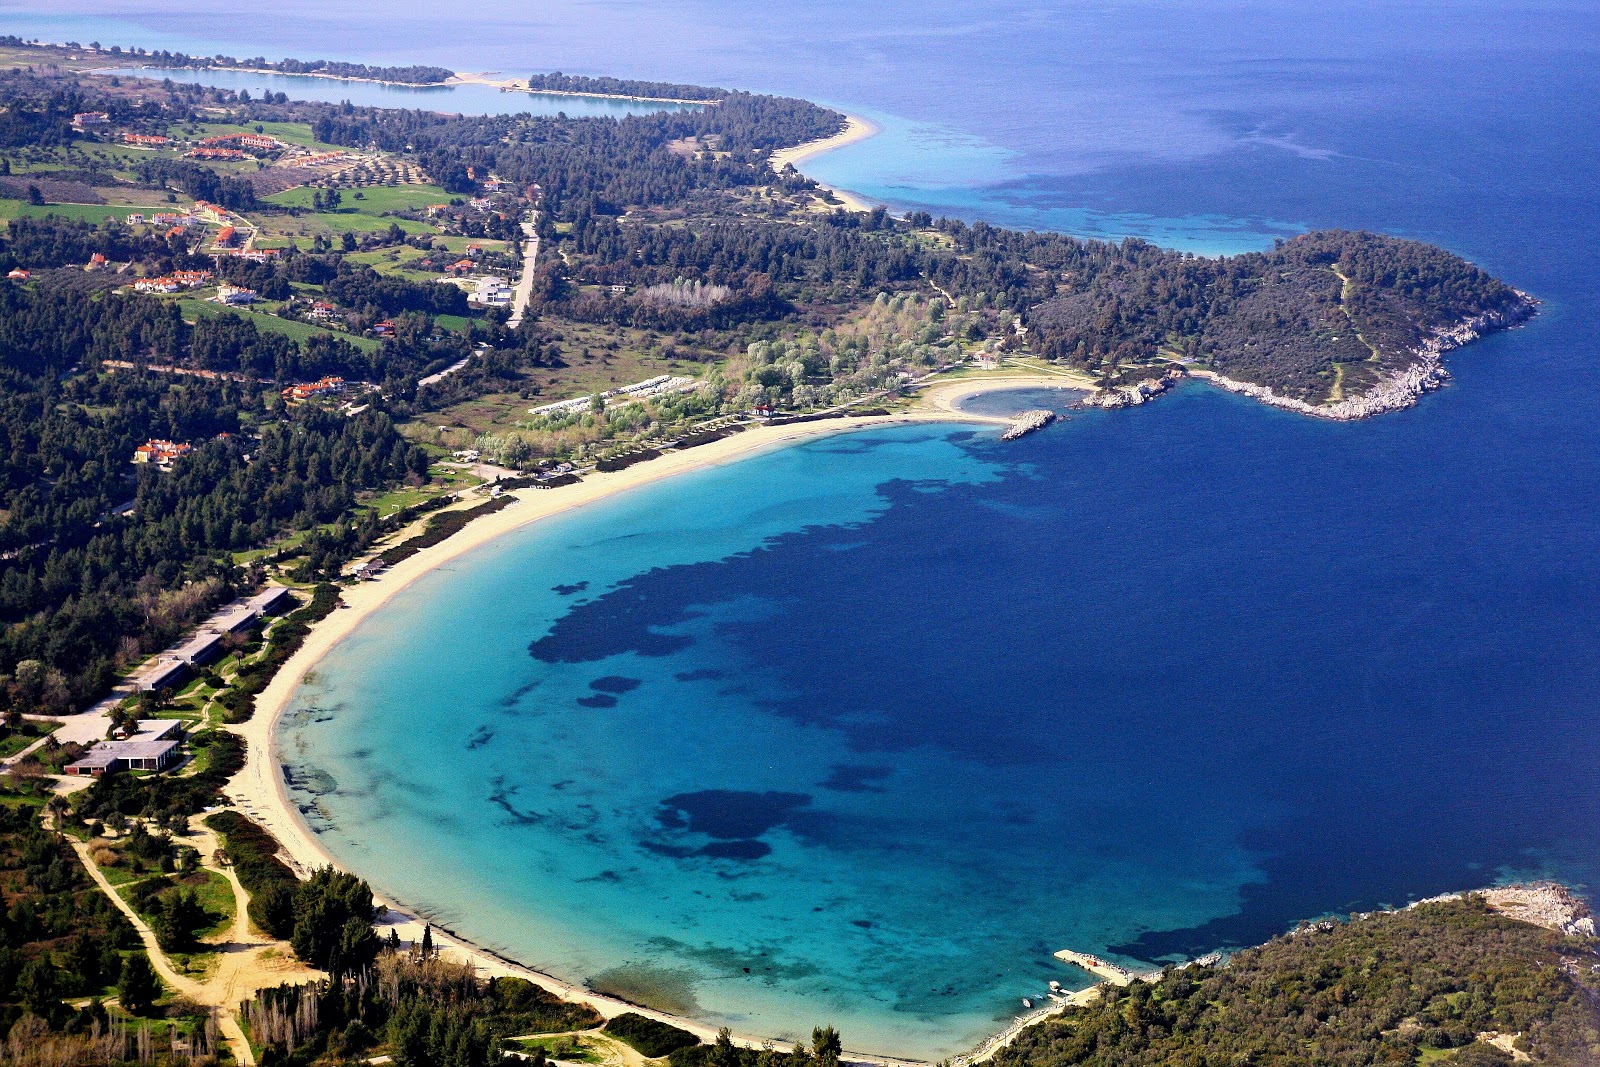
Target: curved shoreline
(259,790)
(855,129)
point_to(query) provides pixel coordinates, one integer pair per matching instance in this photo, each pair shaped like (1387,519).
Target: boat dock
(1106,972)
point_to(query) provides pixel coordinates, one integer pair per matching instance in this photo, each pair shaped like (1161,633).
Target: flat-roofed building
(165,673)
(271,600)
(155,746)
(203,647)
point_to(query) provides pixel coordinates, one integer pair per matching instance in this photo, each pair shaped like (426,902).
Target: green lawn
(23,736)
(567,1049)
(300,331)
(374,202)
(11,209)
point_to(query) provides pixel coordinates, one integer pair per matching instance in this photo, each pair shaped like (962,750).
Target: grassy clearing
(299,331)
(11,209)
(374,202)
(568,1048)
(598,358)
(23,736)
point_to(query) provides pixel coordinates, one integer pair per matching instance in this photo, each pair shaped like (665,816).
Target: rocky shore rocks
(1547,904)
(1127,396)
(1401,389)
(1026,423)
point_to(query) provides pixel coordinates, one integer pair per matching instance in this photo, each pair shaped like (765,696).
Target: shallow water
(466,99)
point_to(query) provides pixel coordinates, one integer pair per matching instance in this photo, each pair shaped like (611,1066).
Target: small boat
(1026,1003)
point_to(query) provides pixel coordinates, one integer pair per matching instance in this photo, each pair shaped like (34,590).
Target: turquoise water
(626,806)
(1149,682)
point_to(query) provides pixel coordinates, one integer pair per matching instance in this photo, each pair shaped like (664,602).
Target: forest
(407,75)
(85,591)
(1418,985)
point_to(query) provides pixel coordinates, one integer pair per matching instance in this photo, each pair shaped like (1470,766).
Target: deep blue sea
(861,731)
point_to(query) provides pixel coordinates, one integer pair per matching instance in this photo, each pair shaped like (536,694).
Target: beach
(259,790)
(855,129)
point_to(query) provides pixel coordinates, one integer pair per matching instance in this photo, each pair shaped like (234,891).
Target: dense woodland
(408,75)
(83,590)
(1388,988)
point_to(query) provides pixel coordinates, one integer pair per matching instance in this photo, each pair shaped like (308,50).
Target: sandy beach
(855,129)
(259,791)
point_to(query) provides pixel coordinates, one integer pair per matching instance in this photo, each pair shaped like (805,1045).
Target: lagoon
(466,99)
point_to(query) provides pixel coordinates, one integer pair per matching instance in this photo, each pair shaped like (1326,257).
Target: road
(530,253)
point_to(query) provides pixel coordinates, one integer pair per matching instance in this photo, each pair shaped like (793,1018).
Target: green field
(11,209)
(300,331)
(375,200)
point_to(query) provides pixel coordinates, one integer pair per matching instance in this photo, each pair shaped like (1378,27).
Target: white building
(491,292)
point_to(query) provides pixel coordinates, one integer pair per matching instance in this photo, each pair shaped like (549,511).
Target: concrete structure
(164,673)
(155,746)
(203,647)
(491,292)
(271,600)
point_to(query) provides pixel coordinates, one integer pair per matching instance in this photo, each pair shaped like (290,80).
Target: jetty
(1027,422)
(1101,969)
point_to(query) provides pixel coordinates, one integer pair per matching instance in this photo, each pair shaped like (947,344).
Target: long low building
(172,667)
(157,745)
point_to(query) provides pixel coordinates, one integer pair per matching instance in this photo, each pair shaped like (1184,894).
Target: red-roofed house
(161,452)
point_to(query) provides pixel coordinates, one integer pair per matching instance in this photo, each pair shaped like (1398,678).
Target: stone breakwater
(1027,422)
(1401,389)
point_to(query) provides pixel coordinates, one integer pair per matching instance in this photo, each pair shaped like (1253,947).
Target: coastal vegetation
(75,985)
(651,1037)
(1439,982)
(420,1010)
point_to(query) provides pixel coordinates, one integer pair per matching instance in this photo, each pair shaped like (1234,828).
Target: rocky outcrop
(1401,389)
(1545,904)
(1127,396)
(1027,422)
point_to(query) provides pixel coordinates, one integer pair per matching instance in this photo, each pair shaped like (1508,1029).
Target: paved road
(530,253)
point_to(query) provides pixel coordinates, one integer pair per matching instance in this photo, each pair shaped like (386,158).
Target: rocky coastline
(1127,396)
(1401,389)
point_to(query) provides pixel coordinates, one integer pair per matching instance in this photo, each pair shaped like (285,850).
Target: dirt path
(247,961)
